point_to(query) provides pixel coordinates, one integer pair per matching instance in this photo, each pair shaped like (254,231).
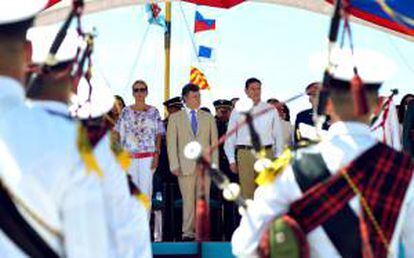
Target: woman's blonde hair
(140,82)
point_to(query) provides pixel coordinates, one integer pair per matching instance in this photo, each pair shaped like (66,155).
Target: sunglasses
(139,90)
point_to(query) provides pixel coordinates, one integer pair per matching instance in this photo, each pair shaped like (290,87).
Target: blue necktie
(194,124)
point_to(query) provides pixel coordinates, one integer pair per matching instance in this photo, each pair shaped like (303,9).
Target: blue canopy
(396,15)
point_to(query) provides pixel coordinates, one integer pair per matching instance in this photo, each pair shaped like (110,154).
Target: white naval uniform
(128,218)
(39,163)
(345,141)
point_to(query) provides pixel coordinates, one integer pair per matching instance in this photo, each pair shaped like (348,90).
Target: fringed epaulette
(86,152)
(273,169)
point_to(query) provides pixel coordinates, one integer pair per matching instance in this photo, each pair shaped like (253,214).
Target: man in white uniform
(376,176)
(129,228)
(39,168)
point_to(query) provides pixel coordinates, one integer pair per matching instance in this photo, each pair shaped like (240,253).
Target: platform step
(193,249)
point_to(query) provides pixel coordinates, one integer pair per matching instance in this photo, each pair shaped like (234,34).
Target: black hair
(287,111)
(402,106)
(119,98)
(140,82)
(189,87)
(272,100)
(310,85)
(250,81)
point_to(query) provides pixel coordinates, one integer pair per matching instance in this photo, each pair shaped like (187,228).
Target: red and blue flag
(203,24)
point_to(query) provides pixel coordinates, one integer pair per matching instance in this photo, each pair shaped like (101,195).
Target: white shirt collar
(55,106)
(261,105)
(348,128)
(11,88)
(188,110)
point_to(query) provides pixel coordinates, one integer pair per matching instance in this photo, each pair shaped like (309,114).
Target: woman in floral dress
(140,129)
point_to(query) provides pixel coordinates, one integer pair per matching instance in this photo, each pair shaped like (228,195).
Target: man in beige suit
(187,125)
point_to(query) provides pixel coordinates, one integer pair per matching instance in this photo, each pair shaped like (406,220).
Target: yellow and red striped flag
(198,78)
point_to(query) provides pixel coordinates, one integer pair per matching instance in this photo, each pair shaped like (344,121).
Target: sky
(271,42)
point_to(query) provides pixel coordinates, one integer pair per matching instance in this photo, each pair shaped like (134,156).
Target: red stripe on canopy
(372,12)
(52,2)
(381,22)
(216,3)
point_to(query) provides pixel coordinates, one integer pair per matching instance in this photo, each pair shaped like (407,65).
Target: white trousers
(141,173)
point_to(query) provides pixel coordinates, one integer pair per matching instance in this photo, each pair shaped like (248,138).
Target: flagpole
(167,48)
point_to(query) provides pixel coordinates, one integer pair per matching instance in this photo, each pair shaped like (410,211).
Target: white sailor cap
(19,10)
(373,67)
(42,39)
(101,100)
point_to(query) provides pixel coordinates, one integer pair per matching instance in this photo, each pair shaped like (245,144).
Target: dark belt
(249,147)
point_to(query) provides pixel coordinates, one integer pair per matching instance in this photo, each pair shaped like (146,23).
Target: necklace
(135,108)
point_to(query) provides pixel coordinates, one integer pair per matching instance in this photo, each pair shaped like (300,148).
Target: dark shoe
(188,239)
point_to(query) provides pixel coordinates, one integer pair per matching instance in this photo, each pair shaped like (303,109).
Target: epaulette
(85,149)
(269,170)
(272,169)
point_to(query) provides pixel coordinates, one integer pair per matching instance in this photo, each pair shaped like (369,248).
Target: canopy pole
(167,47)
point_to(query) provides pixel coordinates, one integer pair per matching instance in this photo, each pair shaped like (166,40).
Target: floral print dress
(138,129)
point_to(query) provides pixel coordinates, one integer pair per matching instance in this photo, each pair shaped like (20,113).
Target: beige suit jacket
(179,134)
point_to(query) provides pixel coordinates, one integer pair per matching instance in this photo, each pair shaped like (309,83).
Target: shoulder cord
(32,214)
(367,210)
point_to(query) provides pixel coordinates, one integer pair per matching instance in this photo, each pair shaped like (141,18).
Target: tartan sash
(343,227)
(381,174)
